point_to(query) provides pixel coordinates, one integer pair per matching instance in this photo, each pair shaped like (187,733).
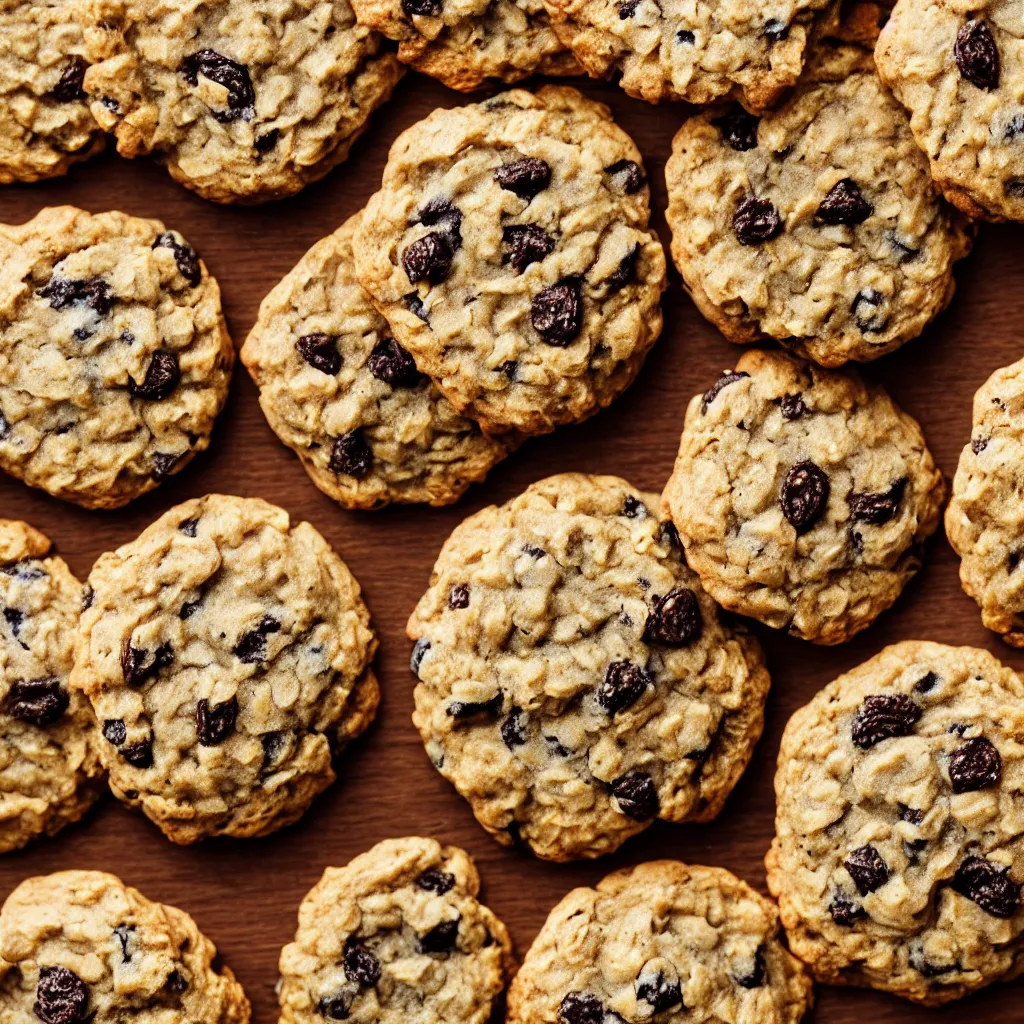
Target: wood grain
(244,894)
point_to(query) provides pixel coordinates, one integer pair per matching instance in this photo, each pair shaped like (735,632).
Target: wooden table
(244,894)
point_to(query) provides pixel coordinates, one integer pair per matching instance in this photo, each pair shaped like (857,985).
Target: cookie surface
(114,355)
(802,496)
(468,43)
(898,860)
(396,937)
(509,249)
(50,770)
(348,399)
(959,69)
(243,100)
(818,223)
(83,946)
(575,681)
(45,123)
(983,521)
(673,50)
(664,941)
(227,655)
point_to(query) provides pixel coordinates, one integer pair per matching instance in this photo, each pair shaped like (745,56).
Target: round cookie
(898,859)
(818,223)
(575,681)
(959,69)
(509,249)
(396,937)
(82,946)
(467,44)
(114,355)
(50,770)
(243,100)
(802,496)
(45,123)
(227,656)
(348,399)
(664,941)
(983,521)
(675,50)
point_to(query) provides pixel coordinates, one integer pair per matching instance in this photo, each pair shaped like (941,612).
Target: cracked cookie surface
(575,681)
(899,850)
(665,941)
(50,770)
(114,355)
(242,100)
(397,936)
(82,946)
(348,399)
(802,496)
(817,224)
(227,656)
(509,249)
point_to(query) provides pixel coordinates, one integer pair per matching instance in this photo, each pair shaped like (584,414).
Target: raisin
(989,885)
(911,815)
(906,252)
(124,934)
(634,508)
(975,765)
(444,213)
(5,427)
(336,1007)
(979,444)
(69,87)
(658,992)
(867,869)
(184,256)
(723,382)
(527,244)
(844,911)
(775,30)
(580,1008)
(61,996)
(226,72)
(414,304)
(526,177)
(460,709)
(424,8)
(176,983)
(685,37)
(637,796)
(390,363)
(926,968)
(441,938)
(162,376)
(361,966)
(877,509)
(164,463)
(513,729)
(865,309)
(133,662)
(792,406)
(351,455)
(264,143)
(676,619)
(627,8)
(36,701)
(458,597)
(804,495)
(624,273)
(883,716)
(557,312)
(977,55)
(926,682)
(140,754)
(738,129)
(756,221)
(844,204)
(251,648)
(189,608)
(629,174)
(216,722)
(754,978)
(188,527)
(436,880)
(94,293)
(320,351)
(623,685)
(429,258)
(14,619)
(114,731)
(419,650)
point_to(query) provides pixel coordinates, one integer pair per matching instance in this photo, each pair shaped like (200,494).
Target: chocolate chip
(114,731)
(657,991)
(423,8)
(184,256)
(69,87)
(436,880)
(139,755)
(462,709)
(458,597)
(61,996)
(513,729)
(754,978)
(624,273)
(557,312)
(162,376)
(685,37)
(637,796)
(164,463)
(414,304)
(884,716)
(844,911)
(979,444)
(877,509)
(525,177)
(867,869)
(792,406)
(723,382)
(580,1008)
(337,1007)
(630,175)
(93,292)
(738,129)
(36,701)
(974,766)
(756,221)
(527,244)
(189,527)
(441,938)
(804,495)
(320,351)
(351,455)
(390,363)
(775,30)
(844,204)
(675,620)
(623,685)
(926,682)
(419,650)
(977,55)
(429,258)
(216,722)
(361,966)
(226,72)
(251,648)
(989,885)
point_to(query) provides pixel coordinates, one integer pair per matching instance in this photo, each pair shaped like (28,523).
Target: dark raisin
(754,978)
(804,495)
(844,204)
(525,177)
(414,304)
(911,815)
(657,991)
(125,935)
(351,455)
(460,709)
(423,8)
(114,731)
(844,911)
(419,649)
(637,796)
(140,754)
(624,273)
(557,312)
(226,72)
(390,363)
(865,310)
(445,214)
(527,244)
(926,968)
(36,701)
(336,1007)
(189,527)
(738,129)
(189,608)
(989,885)
(162,377)
(69,87)
(792,406)
(133,662)
(176,983)
(634,508)
(441,938)
(867,869)
(436,880)
(975,765)
(264,143)
(926,683)
(513,729)
(877,509)
(14,619)
(977,55)
(883,716)
(251,648)
(429,258)
(627,8)
(905,252)
(5,427)
(1014,187)
(675,620)
(623,685)
(164,463)
(61,996)
(723,382)
(361,966)
(580,1008)
(630,175)
(979,444)
(775,30)
(1013,559)
(685,37)
(184,255)
(756,221)
(533,551)
(94,293)
(216,722)
(458,597)
(320,351)
(274,744)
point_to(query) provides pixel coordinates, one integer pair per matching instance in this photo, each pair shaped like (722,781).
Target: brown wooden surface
(244,894)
